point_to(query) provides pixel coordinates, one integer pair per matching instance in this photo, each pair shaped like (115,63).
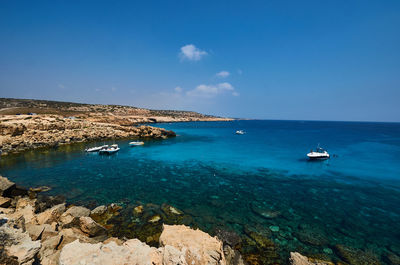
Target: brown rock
(5,202)
(51,215)
(90,227)
(197,247)
(298,259)
(6,187)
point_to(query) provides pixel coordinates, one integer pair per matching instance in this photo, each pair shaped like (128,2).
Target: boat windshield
(320,150)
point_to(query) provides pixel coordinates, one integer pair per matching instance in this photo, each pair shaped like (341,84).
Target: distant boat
(136,143)
(318,154)
(110,150)
(240,132)
(96,148)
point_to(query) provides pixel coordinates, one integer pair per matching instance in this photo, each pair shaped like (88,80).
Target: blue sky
(307,60)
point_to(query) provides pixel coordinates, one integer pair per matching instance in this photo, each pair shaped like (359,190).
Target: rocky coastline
(42,229)
(25,132)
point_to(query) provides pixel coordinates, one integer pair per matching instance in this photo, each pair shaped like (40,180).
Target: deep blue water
(258,181)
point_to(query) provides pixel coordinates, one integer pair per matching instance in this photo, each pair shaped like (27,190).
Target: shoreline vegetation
(43,229)
(27,124)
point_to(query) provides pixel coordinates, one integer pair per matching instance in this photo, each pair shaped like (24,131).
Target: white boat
(319,154)
(96,148)
(136,143)
(110,150)
(241,132)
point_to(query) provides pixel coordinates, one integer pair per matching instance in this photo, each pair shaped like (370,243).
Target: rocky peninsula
(41,229)
(31,124)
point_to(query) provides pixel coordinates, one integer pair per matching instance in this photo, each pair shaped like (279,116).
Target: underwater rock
(228,237)
(197,246)
(298,259)
(259,249)
(154,219)
(232,256)
(355,256)
(311,235)
(392,259)
(44,202)
(263,211)
(138,209)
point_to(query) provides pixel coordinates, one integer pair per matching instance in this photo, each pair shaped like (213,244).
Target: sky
(296,60)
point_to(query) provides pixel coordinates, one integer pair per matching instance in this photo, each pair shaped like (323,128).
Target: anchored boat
(109,150)
(318,154)
(240,132)
(136,143)
(96,148)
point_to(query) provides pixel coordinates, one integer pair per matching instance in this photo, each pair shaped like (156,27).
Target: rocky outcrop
(17,133)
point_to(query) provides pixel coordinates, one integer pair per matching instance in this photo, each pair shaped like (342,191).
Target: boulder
(6,187)
(18,244)
(100,210)
(90,227)
(197,246)
(131,252)
(40,232)
(51,215)
(355,256)
(72,215)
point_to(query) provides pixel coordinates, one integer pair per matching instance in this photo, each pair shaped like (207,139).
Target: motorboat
(318,154)
(96,148)
(110,150)
(136,143)
(240,132)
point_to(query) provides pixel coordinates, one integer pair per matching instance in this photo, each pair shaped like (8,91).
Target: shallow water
(259,181)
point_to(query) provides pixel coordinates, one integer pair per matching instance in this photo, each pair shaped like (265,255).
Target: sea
(259,182)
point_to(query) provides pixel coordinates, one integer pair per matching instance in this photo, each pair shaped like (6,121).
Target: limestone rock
(6,187)
(99,210)
(72,215)
(41,232)
(197,246)
(5,202)
(131,252)
(298,259)
(90,227)
(19,244)
(51,215)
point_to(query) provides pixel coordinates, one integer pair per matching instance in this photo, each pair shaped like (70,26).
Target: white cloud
(61,86)
(178,89)
(212,90)
(223,74)
(236,94)
(191,53)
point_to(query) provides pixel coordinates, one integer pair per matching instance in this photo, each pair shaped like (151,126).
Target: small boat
(136,143)
(319,154)
(240,132)
(96,148)
(110,150)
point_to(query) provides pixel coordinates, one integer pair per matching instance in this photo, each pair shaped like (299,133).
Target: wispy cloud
(223,74)
(61,86)
(113,89)
(191,53)
(178,89)
(212,90)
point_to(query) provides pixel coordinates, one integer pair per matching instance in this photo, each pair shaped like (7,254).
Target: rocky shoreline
(25,132)
(41,229)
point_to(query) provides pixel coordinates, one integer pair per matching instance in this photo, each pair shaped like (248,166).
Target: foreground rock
(298,259)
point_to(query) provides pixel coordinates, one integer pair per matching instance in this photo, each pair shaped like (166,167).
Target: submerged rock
(355,256)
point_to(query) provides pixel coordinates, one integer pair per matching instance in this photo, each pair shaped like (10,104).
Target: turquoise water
(260,181)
